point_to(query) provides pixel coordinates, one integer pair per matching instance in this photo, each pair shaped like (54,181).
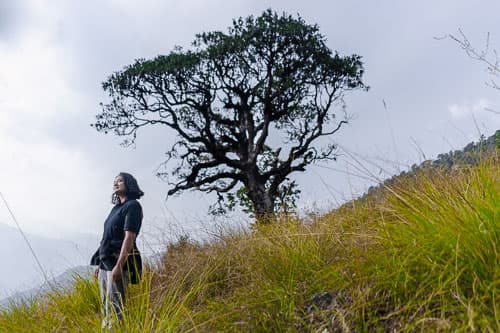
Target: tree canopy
(247,105)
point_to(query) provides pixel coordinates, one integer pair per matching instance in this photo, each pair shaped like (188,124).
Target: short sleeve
(133,217)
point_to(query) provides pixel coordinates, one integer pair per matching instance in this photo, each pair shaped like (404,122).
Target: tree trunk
(262,202)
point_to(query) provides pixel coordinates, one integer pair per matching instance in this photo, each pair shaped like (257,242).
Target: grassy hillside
(423,256)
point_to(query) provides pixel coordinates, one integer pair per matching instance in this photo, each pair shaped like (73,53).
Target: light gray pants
(112,296)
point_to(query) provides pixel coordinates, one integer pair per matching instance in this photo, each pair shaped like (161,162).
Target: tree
(268,79)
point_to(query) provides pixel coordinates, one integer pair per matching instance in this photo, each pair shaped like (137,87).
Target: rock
(319,301)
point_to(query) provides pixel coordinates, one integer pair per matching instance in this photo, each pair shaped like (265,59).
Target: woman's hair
(132,188)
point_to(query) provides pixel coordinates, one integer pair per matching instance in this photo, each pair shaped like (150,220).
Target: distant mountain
(62,260)
(19,269)
(469,155)
(61,282)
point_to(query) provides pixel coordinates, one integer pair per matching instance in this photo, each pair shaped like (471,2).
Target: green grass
(424,256)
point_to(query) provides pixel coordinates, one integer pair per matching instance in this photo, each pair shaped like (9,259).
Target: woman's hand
(96,273)
(116,273)
(127,245)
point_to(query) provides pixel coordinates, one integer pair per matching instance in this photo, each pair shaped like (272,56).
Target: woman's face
(119,186)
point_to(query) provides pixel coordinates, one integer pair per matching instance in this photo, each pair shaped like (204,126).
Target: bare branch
(487,56)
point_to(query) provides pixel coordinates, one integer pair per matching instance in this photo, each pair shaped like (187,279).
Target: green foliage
(285,201)
(470,154)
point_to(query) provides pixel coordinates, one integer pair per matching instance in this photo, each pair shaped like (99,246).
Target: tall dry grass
(423,256)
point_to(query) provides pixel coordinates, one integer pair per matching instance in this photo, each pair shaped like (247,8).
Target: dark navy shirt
(123,217)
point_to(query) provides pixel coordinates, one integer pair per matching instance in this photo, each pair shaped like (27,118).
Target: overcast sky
(56,171)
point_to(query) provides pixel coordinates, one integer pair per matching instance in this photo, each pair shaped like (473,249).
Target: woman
(118,241)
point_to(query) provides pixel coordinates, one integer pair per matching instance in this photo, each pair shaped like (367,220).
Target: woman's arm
(127,245)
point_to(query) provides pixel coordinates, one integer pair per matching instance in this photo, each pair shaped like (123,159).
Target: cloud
(46,185)
(50,75)
(9,18)
(44,178)
(33,70)
(460,111)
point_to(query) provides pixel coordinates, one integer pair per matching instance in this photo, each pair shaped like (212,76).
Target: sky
(427,97)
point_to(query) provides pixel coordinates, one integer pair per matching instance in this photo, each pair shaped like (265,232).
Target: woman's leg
(112,296)
(116,294)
